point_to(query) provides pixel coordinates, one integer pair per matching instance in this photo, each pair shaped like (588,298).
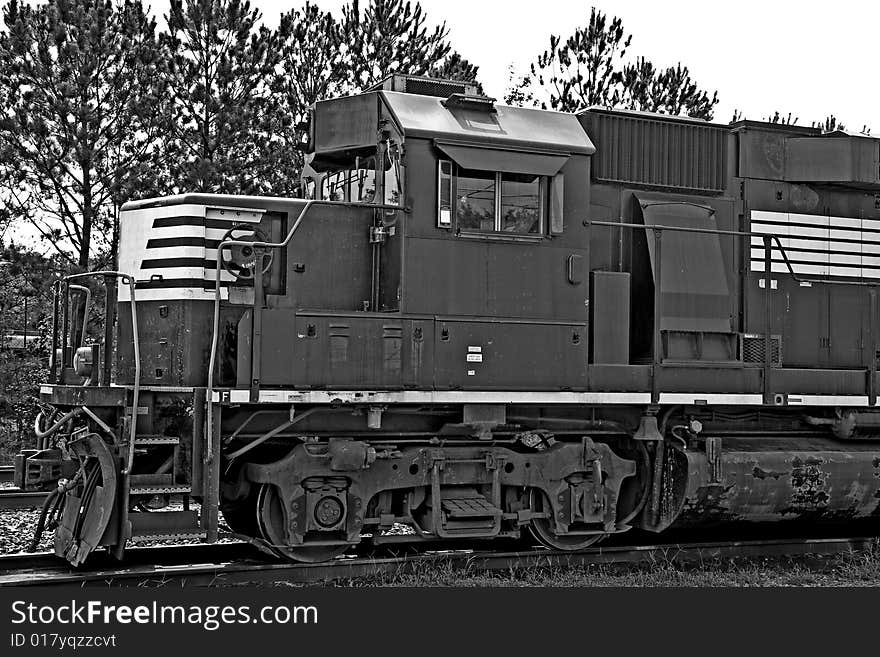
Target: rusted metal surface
(775,485)
(59,395)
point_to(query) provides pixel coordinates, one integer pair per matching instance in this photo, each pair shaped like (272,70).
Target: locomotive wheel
(270,521)
(239,516)
(542,529)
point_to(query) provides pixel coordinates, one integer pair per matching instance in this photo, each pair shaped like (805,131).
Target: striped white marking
(696,398)
(819,258)
(176,252)
(827,400)
(136,230)
(200,232)
(169,273)
(175,294)
(817,245)
(162,212)
(241,396)
(434,397)
(171,232)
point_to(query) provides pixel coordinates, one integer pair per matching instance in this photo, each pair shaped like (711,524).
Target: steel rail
(14,498)
(157,555)
(215,567)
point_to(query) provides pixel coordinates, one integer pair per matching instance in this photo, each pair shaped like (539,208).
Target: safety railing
(61,307)
(770,242)
(62,295)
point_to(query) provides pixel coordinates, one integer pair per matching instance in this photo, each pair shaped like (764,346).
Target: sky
(808,58)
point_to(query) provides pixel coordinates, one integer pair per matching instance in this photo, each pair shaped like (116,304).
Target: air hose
(53,501)
(41,523)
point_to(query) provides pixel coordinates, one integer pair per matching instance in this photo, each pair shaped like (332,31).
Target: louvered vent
(753,349)
(681,153)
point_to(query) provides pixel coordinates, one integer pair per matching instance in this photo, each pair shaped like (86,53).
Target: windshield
(356,182)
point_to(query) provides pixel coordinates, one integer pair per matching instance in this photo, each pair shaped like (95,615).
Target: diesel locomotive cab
(480,320)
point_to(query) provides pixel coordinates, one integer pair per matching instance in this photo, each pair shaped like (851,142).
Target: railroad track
(237,563)
(14,498)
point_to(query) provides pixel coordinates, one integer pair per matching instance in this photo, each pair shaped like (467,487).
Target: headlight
(82,362)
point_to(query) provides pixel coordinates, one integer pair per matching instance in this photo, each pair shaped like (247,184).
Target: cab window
(491,201)
(475,195)
(356,182)
(522,203)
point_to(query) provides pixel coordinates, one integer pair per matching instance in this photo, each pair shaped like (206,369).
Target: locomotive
(481,320)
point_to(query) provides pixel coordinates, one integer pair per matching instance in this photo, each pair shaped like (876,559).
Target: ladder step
(164,525)
(473,507)
(169,537)
(159,489)
(146,439)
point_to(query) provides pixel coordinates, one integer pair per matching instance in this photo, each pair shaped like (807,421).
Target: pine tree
(392,36)
(79,124)
(671,91)
(590,68)
(312,69)
(456,67)
(225,128)
(323,57)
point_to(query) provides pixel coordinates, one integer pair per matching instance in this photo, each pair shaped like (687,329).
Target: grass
(860,568)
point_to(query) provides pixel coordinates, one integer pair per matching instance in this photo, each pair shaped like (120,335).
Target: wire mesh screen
(753,349)
(438,88)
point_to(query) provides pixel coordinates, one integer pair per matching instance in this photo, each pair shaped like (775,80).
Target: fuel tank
(725,481)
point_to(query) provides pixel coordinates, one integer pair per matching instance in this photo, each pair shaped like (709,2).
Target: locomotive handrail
(209,429)
(739,233)
(127,279)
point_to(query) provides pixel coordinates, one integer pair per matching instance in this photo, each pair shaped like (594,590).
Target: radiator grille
(660,152)
(753,349)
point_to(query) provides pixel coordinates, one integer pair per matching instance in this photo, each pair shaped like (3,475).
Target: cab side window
(491,201)
(475,193)
(523,201)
